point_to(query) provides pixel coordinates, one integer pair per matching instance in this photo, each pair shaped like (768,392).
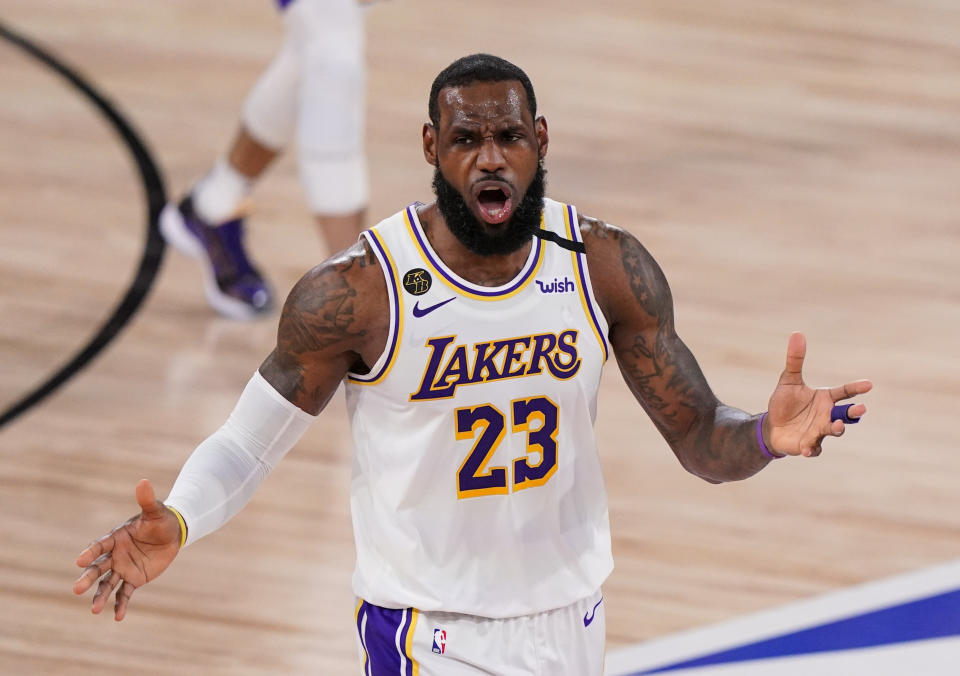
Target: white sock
(217,195)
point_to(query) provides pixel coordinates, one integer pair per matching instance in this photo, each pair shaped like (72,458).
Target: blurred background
(792,166)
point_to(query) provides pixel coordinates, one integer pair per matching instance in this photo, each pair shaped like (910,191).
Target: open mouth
(495,204)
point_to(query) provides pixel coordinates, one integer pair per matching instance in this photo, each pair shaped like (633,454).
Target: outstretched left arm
(710,439)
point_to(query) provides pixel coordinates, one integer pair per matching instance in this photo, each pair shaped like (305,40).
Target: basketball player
(314,90)
(470,333)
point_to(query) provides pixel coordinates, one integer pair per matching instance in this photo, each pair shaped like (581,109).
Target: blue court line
(932,617)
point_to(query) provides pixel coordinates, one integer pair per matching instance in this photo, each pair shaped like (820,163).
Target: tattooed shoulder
(322,308)
(595,228)
(624,273)
(325,324)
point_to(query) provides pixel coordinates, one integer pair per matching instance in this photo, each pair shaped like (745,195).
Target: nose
(490,158)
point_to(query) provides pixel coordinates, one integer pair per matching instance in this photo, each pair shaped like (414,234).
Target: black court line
(153,249)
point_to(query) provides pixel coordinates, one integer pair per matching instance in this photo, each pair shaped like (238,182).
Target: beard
(472,233)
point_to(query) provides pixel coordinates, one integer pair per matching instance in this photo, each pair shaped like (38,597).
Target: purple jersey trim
(283,4)
(391,275)
(587,291)
(470,289)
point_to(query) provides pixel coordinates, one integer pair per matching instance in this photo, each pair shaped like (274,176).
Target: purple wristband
(763,447)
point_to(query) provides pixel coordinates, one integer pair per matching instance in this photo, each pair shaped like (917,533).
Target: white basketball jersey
(476,483)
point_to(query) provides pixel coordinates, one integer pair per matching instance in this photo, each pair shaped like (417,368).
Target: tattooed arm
(334,320)
(331,322)
(710,439)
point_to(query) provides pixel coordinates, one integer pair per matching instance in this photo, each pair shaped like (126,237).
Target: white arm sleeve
(221,475)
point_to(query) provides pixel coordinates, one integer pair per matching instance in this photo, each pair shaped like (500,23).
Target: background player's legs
(222,193)
(249,156)
(315,87)
(329,39)
(208,223)
(341,231)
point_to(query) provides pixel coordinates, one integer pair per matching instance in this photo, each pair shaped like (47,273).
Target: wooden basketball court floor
(792,166)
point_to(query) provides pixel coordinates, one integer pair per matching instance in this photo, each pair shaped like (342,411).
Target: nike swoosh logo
(588,618)
(423,312)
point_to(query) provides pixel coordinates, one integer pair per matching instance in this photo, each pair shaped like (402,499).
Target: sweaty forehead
(483,102)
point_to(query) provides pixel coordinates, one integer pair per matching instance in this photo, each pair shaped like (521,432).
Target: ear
(430,144)
(543,138)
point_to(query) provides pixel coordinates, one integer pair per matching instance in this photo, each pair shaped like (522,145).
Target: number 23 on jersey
(485,424)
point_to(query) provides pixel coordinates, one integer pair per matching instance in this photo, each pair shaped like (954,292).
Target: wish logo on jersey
(440,641)
(557,286)
(452,365)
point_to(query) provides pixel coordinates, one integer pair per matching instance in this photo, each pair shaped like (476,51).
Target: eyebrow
(467,128)
(460,128)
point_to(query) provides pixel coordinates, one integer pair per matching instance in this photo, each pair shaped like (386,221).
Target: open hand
(130,555)
(799,416)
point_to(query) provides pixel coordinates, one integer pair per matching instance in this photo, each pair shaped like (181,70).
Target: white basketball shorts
(565,641)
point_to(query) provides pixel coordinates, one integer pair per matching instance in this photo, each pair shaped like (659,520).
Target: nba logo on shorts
(439,641)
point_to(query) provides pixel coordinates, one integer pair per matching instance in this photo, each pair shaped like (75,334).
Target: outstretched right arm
(330,324)
(334,321)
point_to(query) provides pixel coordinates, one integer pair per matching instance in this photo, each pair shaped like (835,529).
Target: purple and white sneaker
(233,286)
